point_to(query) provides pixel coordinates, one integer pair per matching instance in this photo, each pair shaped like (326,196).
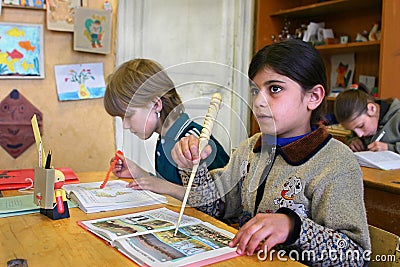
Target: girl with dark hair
(357,110)
(292,186)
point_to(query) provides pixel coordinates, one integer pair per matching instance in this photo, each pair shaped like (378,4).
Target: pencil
(112,166)
(380,136)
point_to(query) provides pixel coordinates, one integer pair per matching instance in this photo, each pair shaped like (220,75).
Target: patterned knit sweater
(316,180)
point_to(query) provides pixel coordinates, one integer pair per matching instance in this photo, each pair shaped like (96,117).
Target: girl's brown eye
(275,89)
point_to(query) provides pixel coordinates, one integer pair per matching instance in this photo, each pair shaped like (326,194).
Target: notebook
(91,198)
(385,160)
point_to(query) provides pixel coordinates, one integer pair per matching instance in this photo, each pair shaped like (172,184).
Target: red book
(17,179)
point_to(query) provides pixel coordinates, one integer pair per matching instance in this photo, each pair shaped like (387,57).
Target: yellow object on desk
(38,140)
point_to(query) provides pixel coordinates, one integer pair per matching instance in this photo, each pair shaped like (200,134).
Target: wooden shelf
(349,47)
(328,7)
(346,18)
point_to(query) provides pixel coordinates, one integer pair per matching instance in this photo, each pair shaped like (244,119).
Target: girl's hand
(378,146)
(186,152)
(158,185)
(357,145)
(121,168)
(151,183)
(268,228)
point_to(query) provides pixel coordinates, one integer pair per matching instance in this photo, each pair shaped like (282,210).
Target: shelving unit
(323,8)
(345,17)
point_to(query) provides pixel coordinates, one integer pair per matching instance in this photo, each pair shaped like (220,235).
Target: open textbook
(385,160)
(148,238)
(90,198)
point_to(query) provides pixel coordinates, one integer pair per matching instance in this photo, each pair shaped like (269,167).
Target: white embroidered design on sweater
(291,187)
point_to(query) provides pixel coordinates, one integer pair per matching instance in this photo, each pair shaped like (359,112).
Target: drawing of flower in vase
(81,77)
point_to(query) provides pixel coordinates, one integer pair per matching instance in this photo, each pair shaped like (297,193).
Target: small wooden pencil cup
(44,194)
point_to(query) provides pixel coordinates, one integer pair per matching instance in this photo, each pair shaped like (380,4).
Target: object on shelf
(361,38)
(344,39)
(284,35)
(375,33)
(299,33)
(369,81)
(311,34)
(342,70)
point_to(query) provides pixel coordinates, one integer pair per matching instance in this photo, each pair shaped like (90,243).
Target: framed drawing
(61,14)
(342,71)
(92,30)
(26,3)
(80,81)
(21,54)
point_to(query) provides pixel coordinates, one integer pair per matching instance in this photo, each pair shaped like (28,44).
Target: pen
(380,136)
(113,163)
(48,160)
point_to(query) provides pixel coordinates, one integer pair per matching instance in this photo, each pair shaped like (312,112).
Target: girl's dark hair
(299,61)
(352,103)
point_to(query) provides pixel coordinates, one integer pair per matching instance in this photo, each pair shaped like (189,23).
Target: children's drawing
(92,31)
(26,3)
(342,71)
(80,81)
(61,14)
(21,51)
(15,123)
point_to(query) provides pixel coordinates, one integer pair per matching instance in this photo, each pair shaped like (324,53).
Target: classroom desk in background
(382,198)
(45,242)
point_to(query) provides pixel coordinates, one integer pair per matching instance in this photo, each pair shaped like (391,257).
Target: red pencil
(114,162)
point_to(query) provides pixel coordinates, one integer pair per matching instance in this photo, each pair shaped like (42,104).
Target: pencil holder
(48,194)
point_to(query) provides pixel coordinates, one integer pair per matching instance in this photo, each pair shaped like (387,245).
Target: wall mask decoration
(15,123)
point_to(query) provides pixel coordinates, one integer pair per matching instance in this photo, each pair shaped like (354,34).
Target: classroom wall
(79,133)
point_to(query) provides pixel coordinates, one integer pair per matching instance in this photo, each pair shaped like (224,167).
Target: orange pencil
(114,162)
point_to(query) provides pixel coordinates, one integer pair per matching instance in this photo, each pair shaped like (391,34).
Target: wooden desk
(44,242)
(382,198)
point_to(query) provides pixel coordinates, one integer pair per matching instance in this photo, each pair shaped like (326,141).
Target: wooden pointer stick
(205,134)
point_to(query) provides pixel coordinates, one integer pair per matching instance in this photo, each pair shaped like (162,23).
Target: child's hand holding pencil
(117,157)
(121,168)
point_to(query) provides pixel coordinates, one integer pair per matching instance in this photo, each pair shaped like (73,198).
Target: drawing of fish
(16,32)
(9,63)
(15,54)
(25,65)
(26,45)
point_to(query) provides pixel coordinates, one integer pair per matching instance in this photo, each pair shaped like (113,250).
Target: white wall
(206,47)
